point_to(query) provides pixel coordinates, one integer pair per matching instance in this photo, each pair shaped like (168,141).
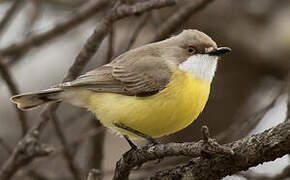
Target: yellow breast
(166,112)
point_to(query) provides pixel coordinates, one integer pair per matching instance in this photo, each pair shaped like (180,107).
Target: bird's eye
(191,50)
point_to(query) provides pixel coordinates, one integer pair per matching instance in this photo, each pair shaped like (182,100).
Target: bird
(147,92)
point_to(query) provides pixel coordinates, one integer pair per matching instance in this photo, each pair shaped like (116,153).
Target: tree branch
(26,150)
(133,158)
(176,20)
(248,152)
(13,89)
(68,157)
(9,14)
(59,29)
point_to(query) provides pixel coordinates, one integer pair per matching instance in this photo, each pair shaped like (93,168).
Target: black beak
(219,51)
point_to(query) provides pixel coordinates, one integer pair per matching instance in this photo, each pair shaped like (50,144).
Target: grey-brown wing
(142,77)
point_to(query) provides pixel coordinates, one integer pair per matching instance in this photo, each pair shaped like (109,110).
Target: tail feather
(29,101)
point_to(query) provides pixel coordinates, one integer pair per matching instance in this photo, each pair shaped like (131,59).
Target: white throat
(200,65)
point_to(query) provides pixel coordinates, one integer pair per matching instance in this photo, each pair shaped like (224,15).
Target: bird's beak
(219,51)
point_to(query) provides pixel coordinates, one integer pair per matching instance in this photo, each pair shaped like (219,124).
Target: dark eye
(191,50)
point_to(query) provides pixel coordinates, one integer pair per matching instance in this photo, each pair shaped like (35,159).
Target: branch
(133,158)
(176,20)
(110,48)
(26,150)
(5,146)
(13,89)
(248,152)
(68,157)
(143,21)
(9,14)
(59,29)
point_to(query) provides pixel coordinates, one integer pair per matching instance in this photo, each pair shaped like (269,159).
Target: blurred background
(246,97)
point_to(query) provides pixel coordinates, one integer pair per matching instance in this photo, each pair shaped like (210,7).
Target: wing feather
(146,75)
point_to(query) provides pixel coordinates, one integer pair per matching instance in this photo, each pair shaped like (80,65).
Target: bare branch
(13,89)
(248,152)
(140,156)
(5,146)
(243,127)
(33,16)
(111,42)
(143,21)
(26,150)
(175,21)
(68,157)
(9,15)
(59,29)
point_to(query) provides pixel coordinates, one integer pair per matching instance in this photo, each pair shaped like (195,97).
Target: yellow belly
(166,112)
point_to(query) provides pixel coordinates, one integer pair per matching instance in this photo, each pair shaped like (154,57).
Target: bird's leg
(131,143)
(138,133)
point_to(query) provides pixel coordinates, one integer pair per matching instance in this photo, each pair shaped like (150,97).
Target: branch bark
(135,158)
(248,152)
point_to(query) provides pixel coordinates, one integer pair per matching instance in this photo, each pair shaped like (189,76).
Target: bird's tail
(29,101)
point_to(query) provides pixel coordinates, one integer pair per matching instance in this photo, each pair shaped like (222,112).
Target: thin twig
(176,20)
(13,89)
(143,21)
(111,42)
(59,29)
(16,4)
(244,126)
(68,157)
(25,151)
(97,144)
(33,16)
(5,146)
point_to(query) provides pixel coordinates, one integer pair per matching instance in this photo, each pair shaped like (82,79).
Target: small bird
(148,92)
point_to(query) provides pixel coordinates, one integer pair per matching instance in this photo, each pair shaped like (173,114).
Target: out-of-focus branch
(33,16)
(59,29)
(97,145)
(9,15)
(242,128)
(68,157)
(248,152)
(5,146)
(111,42)
(25,151)
(133,158)
(175,21)
(143,21)
(13,89)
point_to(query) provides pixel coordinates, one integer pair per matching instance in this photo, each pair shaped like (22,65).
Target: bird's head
(194,52)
